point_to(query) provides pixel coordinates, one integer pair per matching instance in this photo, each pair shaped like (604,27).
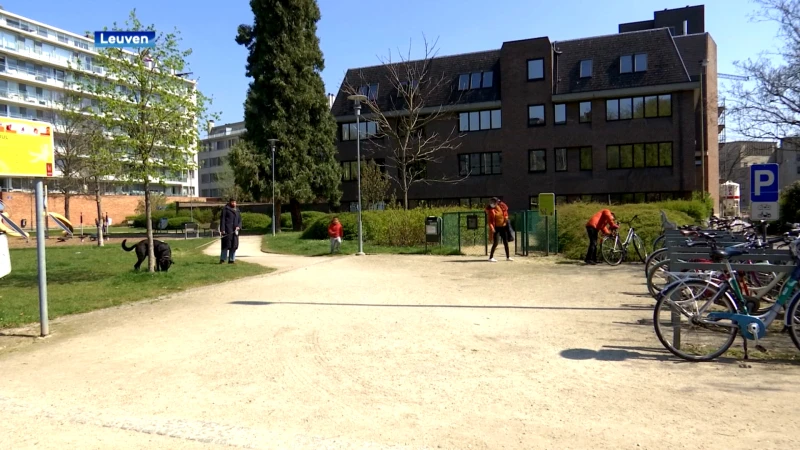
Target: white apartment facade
(34,65)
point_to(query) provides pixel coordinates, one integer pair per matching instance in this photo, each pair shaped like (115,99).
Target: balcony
(26,97)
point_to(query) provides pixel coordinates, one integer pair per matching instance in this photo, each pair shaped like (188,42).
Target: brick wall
(20,205)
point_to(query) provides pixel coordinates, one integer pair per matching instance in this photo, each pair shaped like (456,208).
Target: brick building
(616,118)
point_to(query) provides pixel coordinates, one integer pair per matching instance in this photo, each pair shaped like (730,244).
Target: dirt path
(389,352)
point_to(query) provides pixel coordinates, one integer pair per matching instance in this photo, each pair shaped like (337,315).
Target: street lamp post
(272,143)
(358,99)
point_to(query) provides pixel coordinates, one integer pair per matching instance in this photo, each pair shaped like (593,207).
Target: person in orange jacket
(335,233)
(497,219)
(604,221)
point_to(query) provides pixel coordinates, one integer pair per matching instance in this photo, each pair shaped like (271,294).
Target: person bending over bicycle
(603,222)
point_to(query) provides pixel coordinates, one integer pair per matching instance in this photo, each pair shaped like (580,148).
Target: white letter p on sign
(763,178)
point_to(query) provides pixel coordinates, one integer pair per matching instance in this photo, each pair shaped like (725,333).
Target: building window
(535,69)
(488,79)
(639,107)
(370,91)
(586,68)
(586,158)
(488,119)
(350,168)
(626,64)
(561,159)
(471,164)
(475,80)
(560,112)
(536,115)
(586,112)
(368,129)
(640,62)
(463,82)
(537,161)
(633,63)
(636,156)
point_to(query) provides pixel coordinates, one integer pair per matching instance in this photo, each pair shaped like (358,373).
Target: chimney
(331,99)
(685,27)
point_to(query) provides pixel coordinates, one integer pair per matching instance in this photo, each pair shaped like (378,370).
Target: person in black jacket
(229,225)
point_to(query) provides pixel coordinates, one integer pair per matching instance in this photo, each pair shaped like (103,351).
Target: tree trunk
(405,199)
(277,208)
(66,203)
(99,222)
(151,257)
(297,217)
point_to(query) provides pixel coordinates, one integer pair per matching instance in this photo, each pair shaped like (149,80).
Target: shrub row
(400,228)
(396,228)
(573,240)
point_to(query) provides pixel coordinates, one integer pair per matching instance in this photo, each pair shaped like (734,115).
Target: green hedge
(176,223)
(251,221)
(199,215)
(572,218)
(396,228)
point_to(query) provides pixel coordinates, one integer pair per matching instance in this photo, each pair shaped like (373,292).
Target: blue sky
(355,33)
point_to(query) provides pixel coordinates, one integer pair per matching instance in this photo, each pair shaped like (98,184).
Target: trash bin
(433,230)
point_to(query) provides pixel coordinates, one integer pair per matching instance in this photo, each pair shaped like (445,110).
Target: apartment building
(624,117)
(213,156)
(34,63)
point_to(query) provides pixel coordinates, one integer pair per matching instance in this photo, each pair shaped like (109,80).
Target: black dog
(161,251)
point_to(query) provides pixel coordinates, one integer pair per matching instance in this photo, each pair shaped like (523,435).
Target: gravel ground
(386,352)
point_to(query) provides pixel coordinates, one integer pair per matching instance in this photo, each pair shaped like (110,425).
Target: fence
(532,231)
(468,232)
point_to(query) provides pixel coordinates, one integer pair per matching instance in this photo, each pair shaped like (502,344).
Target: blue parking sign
(764,183)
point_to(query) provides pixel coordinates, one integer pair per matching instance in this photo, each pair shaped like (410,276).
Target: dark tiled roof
(693,50)
(446,68)
(664,64)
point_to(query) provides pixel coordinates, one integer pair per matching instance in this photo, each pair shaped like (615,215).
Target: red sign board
(49,168)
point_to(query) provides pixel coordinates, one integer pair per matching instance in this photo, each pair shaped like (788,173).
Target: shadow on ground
(374,305)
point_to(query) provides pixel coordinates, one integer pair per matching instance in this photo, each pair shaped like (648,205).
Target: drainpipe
(555,69)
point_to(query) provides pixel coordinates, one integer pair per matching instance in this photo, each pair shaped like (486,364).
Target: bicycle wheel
(659,242)
(638,244)
(794,323)
(653,259)
(612,251)
(684,332)
(659,277)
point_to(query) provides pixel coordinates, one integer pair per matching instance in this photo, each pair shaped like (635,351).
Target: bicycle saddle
(718,255)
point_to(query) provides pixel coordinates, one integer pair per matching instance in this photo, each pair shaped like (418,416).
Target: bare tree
(408,120)
(769,107)
(730,161)
(73,120)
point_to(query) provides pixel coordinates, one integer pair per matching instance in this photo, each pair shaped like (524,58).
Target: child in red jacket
(335,233)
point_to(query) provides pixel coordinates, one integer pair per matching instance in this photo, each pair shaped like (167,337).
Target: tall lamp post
(272,143)
(358,99)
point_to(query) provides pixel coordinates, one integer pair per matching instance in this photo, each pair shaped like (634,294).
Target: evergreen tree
(286,101)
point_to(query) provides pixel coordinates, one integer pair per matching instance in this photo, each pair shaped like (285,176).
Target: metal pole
(547,233)
(273,189)
(40,246)
(702,137)
(358,155)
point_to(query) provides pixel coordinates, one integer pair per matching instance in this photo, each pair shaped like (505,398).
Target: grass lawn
(289,243)
(85,278)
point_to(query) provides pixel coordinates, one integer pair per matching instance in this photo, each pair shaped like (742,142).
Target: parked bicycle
(715,310)
(615,250)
